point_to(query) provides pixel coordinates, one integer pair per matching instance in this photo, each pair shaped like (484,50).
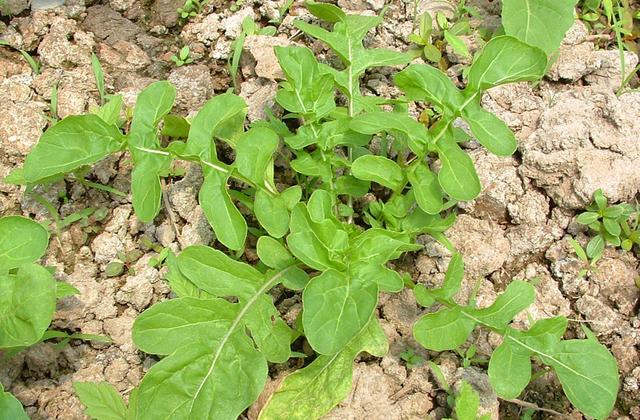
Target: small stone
(604,320)
(165,234)
(265,63)
(106,247)
(193,84)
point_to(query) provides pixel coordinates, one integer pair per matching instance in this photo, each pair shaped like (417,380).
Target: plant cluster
(28,295)
(584,367)
(431,39)
(320,237)
(618,225)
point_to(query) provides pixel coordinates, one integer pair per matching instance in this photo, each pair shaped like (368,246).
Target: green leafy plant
(590,265)
(314,233)
(183,57)
(584,367)
(616,225)
(28,294)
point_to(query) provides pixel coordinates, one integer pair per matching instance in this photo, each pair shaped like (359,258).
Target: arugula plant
(314,237)
(587,371)
(616,225)
(28,294)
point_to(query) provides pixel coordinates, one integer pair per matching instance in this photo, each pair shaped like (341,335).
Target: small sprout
(613,225)
(114,269)
(412,359)
(183,57)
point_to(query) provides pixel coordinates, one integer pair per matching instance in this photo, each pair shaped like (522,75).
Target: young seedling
(589,264)
(33,63)
(190,8)
(412,359)
(183,57)
(422,38)
(607,223)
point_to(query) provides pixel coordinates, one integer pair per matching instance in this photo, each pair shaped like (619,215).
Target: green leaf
(221,117)
(595,247)
(336,307)
(27,304)
(457,176)
(339,133)
(541,23)
(318,245)
(175,126)
(509,370)
(600,199)
(586,369)
(451,285)
(378,169)
(320,206)
(426,83)
(314,390)
(254,154)
(517,297)
(272,213)
(387,280)
(99,75)
(326,11)
(153,103)
(555,327)
(224,217)
(11,408)
(64,290)
(110,112)
(458,45)
(467,403)
(426,189)
(446,329)
(587,218)
(216,273)
(146,188)
(504,59)
(611,226)
(291,196)
(101,400)
(217,368)
(489,130)
(376,122)
(22,241)
(73,142)
(159,328)
(308,92)
(270,333)
(346,41)
(377,246)
(312,165)
(272,253)
(352,186)
(217,381)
